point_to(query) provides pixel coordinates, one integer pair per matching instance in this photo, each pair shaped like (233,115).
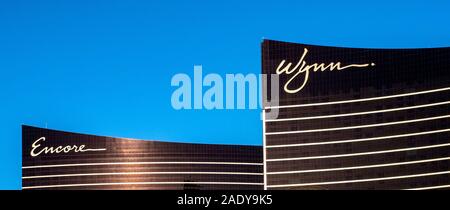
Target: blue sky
(104,67)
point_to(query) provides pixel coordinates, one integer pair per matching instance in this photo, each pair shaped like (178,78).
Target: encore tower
(63,160)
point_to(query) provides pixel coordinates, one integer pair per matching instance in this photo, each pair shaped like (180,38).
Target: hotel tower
(355,118)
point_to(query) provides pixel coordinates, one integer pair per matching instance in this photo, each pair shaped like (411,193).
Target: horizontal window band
(359,154)
(430,187)
(141,173)
(139,183)
(359,167)
(138,163)
(358,113)
(358,126)
(358,100)
(360,180)
(359,140)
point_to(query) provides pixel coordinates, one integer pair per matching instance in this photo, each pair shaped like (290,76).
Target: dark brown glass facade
(385,125)
(96,162)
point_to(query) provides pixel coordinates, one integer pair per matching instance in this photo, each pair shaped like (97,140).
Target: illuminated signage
(302,69)
(36,148)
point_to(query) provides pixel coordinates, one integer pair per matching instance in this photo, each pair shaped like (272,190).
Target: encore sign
(302,69)
(37,150)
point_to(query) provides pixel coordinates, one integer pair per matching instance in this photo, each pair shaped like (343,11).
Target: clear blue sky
(104,67)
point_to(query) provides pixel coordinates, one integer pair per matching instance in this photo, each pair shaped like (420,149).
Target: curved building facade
(63,160)
(357,118)
(348,118)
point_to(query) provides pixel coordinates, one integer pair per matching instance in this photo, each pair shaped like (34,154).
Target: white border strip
(360,154)
(359,140)
(137,183)
(264,149)
(359,126)
(359,100)
(138,163)
(358,113)
(359,167)
(360,180)
(430,188)
(140,173)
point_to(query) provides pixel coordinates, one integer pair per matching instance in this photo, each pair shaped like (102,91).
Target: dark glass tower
(62,160)
(358,118)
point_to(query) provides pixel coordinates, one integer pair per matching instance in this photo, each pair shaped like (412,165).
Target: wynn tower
(355,118)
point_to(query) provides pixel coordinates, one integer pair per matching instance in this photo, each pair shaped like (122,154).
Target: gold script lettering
(59,149)
(302,68)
